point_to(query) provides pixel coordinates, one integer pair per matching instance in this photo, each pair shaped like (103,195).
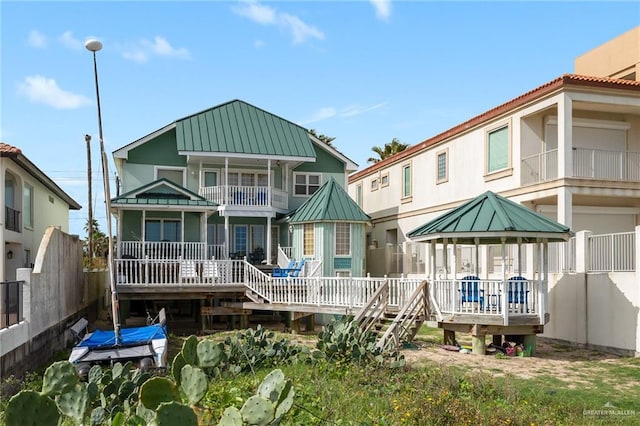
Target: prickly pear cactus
(29,408)
(193,383)
(189,350)
(95,374)
(158,390)
(258,411)
(74,403)
(210,354)
(231,417)
(98,416)
(176,367)
(59,377)
(279,391)
(173,413)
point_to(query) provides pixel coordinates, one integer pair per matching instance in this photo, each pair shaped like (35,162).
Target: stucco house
(568,149)
(222,184)
(31,203)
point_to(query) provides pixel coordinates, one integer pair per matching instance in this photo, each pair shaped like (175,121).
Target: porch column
(432,261)
(203,234)
(268,248)
(269,200)
(565,136)
(226,236)
(505,289)
(454,259)
(565,206)
(144,227)
(226,188)
(476,266)
(519,256)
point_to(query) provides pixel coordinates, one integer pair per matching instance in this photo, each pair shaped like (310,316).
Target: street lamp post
(94,46)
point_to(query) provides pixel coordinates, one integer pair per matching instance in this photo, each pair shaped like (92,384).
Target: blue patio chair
(284,272)
(470,291)
(517,292)
(296,271)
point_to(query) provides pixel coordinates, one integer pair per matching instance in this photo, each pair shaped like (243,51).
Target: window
(384,180)
(162,230)
(27,206)
(309,239)
(406,181)
(374,184)
(175,175)
(210,178)
(306,184)
(498,149)
(442,167)
(359,194)
(343,239)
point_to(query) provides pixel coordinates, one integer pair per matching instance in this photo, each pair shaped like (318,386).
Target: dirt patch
(569,364)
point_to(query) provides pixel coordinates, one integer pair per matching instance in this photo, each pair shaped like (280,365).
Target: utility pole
(87,138)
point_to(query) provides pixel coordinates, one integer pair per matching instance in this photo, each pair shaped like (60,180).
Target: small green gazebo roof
(491,218)
(241,128)
(330,203)
(161,192)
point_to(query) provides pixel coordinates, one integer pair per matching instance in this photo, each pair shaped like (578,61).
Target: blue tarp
(128,336)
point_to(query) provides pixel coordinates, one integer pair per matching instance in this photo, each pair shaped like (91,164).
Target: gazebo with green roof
(480,302)
(331,227)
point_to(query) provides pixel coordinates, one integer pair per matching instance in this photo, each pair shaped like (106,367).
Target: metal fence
(10,303)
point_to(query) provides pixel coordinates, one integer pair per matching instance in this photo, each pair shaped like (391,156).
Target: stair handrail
(374,309)
(417,302)
(257,281)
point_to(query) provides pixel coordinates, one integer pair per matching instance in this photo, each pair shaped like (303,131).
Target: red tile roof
(553,85)
(6,150)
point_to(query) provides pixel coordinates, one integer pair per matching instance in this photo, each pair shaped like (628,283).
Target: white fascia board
(349,165)
(247,156)
(510,235)
(124,151)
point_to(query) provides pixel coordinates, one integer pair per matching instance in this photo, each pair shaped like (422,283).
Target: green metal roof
(490,218)
(241,128)
(161,192)
(330,203)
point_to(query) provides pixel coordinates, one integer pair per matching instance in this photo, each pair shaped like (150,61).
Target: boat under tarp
(135,344)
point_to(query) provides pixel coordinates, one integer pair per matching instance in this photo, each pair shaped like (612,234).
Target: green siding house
(221,184)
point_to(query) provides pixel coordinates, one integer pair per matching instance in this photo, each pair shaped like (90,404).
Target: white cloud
(159,46)
(353,110)
(68,40)
(266,15)
(259,43)
(383,8)
(44,90)
(319,115)
(37,39)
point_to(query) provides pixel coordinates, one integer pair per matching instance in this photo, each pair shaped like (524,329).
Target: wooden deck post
(530,341)
(450,337)
(478,344)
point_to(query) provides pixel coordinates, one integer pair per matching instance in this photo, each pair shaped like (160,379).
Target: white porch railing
(601,164)
(161,250)
(587,164)
(611,252)
(540,167)
(284,256)
(246,196)
(490,297)
(182,272)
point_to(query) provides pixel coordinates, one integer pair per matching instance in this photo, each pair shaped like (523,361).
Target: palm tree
(323,138)
(390,149)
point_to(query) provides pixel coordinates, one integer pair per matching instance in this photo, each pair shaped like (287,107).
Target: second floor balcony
(246,196)
(587,164)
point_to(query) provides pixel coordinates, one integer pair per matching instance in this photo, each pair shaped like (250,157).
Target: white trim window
(305,184)
(172,174)
(374,184)
(27,206)
(343,239)
(384,180)
(162,230)
(442,166)
(498,149)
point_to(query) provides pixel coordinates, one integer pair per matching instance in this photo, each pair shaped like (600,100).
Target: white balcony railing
(166,250)
(246,196)
(612,252)
(587,164)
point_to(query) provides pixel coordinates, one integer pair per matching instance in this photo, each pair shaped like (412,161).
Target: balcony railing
(10,303)
(12,219)
(246,196)
(587,164)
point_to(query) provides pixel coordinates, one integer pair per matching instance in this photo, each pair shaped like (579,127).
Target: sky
(363,72)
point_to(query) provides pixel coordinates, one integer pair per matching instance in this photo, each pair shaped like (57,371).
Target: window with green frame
(406,180)
(498,149)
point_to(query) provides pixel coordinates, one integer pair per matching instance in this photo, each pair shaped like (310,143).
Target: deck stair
(395,327)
